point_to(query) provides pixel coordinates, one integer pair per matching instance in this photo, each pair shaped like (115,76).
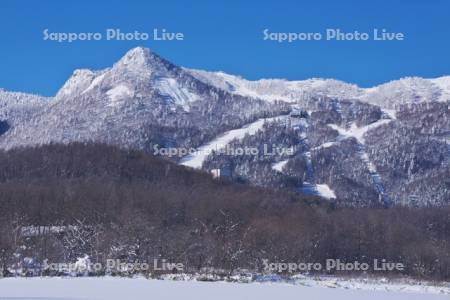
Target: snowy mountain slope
(80,80)
(17,107)
(340,153)
(196,160)
(141,100)
(358,133)
(15,102)
(388,95)
(406,90)
(444,84)
(279,89)
(144,100)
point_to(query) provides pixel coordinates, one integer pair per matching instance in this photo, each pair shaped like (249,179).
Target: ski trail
(196,159)
(376,178)
(309,186)
(358,133)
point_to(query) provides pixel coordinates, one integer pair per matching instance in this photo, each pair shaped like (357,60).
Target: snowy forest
(64,202)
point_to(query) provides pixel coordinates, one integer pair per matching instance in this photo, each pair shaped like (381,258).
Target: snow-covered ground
(119,93)
(311,188)
(174,92)
(325,191)
(324,145)
(357,132)
(196,160)
(279,165)
(119,288)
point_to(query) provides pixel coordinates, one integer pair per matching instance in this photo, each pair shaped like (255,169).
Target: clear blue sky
(226,35)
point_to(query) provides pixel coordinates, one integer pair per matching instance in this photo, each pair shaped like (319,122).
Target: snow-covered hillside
(140,101)
(15,106)
(388,95)
(280,89)
(406,90)
(196,160)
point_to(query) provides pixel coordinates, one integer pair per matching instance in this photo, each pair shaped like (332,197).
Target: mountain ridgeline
(383,146)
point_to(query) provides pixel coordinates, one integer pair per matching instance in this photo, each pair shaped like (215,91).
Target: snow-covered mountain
(16,108)
(388,95)
(141,100)
(408,90)
(280,89)
(15,105)
(386,144)
(343,143)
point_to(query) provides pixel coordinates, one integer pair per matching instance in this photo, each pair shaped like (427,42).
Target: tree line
(128,205)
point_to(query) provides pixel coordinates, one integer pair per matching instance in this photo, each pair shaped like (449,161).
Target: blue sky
(226,35)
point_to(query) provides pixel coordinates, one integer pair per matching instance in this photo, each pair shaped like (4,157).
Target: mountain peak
(80,80)
(138,56)
(141,61)
(138,53)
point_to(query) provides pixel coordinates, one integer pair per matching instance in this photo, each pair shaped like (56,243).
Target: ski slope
(358,133)
(120,288)
(196,160)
